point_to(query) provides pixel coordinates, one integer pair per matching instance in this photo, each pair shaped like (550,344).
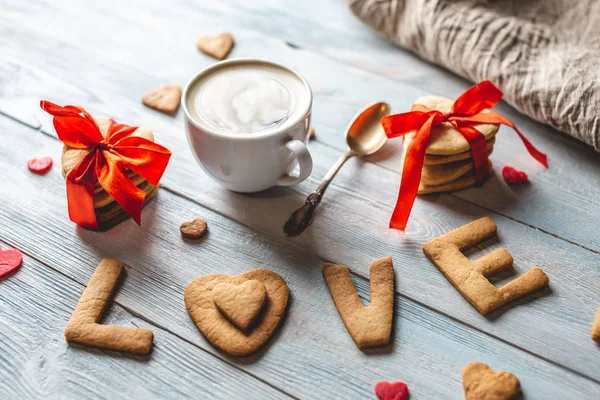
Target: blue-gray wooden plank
(311,356)
(357,205)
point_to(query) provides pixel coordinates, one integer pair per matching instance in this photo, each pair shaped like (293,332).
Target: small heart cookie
(193,229)
(391,391)
(165,99)
(217,46)
(482,383)
(241,303)
(199,301)
(10,260)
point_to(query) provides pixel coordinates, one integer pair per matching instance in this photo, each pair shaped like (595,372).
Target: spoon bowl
(365,135)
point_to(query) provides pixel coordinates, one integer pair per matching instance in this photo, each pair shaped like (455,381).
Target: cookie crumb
(311,134)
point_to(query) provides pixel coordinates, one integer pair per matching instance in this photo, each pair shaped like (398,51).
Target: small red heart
(513,176)
(40,165)
(391,391)
(10,260)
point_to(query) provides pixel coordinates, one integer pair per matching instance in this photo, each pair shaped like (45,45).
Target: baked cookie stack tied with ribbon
(111,170)
(447,144)
(448,163)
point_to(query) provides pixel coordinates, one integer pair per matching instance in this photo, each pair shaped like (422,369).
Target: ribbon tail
(478,150)
(113,178)
(494,118)
(411,175)
(81,204)
(535,153)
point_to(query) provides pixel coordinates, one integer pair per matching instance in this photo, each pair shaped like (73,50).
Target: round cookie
(445,139)
(433,159)
(115,214)
(444,173)
(113,208)
(102,198)
(466,181)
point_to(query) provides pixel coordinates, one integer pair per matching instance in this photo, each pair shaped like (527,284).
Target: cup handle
(305,163)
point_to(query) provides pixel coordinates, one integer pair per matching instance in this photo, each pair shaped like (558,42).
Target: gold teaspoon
(364,136)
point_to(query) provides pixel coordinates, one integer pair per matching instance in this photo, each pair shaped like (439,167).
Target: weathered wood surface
(69,52)
(340,90)
(335,233)
(36,362)
(311,356)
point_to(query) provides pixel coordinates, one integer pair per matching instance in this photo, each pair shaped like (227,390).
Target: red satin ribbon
(467,110)
(107,162)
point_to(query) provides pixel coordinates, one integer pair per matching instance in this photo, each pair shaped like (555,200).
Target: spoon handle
(303,217)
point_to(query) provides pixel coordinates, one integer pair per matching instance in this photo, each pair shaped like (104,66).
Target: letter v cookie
(470,277)
(83,327)
(368,326)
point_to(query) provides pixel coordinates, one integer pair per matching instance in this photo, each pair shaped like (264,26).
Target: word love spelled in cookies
(83,327)
(233,312)
(368,326)
(480,382)
(470,277)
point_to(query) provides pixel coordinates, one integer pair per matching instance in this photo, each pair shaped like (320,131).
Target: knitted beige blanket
(543,54)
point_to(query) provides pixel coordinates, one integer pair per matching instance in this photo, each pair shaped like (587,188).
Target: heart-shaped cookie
(10,260)
(217,46)
(165,99)
(218,329)
(241,303)
(193,229)
(482,383)
(391,391)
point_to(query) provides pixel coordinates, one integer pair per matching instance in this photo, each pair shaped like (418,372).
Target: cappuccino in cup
(247,122)
(248,98)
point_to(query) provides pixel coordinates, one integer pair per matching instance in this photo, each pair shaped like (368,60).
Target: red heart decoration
(10,260)
(513,176)
(391,391)
(40,165)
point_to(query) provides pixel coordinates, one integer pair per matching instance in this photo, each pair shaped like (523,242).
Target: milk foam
(248,98)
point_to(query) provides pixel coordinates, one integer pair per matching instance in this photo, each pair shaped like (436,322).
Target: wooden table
(105,55)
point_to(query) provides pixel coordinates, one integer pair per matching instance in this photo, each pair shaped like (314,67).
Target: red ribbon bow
(107,162)
(467,110)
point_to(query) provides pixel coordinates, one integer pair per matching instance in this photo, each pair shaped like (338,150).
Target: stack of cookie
(108,211)
(448,163)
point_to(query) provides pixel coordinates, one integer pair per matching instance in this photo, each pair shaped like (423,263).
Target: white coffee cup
(245,157)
